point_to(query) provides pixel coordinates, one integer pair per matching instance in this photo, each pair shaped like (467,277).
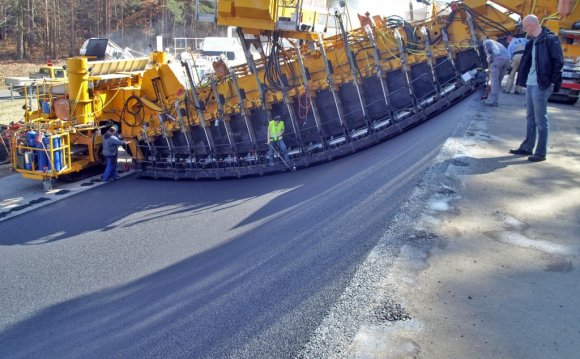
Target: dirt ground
(11,109)
(15,68)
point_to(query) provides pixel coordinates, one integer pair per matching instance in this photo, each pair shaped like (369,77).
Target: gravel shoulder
(482,261)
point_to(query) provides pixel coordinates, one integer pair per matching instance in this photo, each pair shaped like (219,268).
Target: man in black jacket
(540,68)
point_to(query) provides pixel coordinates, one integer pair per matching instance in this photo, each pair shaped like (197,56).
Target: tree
(57,28)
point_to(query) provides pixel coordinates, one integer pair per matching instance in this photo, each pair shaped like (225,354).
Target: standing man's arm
(557,60)
(118,141)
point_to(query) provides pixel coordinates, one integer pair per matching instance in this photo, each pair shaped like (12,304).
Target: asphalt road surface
(209,269)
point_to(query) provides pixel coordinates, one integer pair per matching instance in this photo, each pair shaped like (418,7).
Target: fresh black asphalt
(243,268)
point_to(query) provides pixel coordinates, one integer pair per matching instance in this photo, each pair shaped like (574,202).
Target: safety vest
(276,130)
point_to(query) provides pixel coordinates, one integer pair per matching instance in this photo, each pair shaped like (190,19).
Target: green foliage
(177,9)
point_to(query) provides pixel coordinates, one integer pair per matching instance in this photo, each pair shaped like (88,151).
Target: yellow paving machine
(337,93)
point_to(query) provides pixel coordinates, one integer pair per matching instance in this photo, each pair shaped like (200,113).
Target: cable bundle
(274,77)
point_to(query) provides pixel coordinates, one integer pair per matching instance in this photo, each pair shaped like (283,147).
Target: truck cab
(49,72)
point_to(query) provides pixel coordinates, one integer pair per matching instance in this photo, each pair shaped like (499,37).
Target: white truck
(45,73)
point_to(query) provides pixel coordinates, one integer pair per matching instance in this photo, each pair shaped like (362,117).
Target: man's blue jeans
(537,120)
(281,148)
(111,169)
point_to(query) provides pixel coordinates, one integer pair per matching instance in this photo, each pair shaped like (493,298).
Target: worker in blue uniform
(111,145)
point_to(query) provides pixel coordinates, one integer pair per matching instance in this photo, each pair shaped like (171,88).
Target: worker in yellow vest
(275,132)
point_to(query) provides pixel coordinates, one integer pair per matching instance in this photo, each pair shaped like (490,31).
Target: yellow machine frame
(146,99)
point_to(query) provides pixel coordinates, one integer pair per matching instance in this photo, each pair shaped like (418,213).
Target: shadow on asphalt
(488,165)
(215,298)
(278,276)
